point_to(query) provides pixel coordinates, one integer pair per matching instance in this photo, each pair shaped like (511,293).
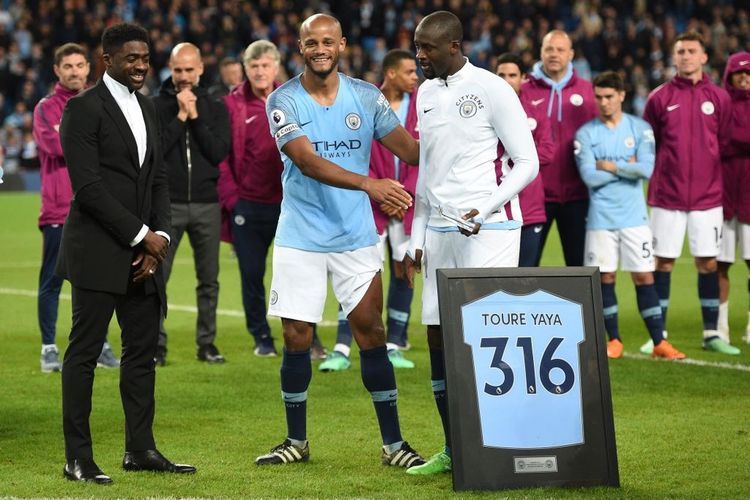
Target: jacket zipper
(189,165)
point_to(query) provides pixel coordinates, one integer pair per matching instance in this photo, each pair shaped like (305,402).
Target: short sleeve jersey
(315,216)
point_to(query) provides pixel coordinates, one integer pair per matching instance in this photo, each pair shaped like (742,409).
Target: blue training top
(315,216)
(617,199)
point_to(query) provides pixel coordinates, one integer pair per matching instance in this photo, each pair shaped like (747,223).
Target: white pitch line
(695,362)
(234,313)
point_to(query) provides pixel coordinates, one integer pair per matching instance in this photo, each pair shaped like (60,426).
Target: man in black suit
(114,239)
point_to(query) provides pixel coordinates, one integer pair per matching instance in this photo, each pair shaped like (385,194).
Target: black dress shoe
(160,358)
(152,460)
(85,470)
(210,354)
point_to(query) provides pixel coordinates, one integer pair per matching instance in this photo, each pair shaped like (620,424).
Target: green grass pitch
(683,431)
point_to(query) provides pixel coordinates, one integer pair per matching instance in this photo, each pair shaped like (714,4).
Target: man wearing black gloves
(195,138)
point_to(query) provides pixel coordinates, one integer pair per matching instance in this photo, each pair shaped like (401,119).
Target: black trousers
(138,316)
(571,224)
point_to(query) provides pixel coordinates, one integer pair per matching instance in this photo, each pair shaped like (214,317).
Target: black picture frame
(479,467)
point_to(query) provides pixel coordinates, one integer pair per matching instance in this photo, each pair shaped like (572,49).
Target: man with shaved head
(466,214)
(324,123)
(568,102)
(195,138)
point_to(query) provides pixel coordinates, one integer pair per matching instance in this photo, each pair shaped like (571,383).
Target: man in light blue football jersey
(324,123)
(615,153)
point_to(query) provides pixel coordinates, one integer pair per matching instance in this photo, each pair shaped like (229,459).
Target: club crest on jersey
(576,99)
(532,123)
(353,121)
(629,142)
(707,107)
(467,109)
(468,105)
(278,117)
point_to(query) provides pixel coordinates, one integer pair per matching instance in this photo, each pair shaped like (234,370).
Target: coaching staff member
(113,241)
(195,138)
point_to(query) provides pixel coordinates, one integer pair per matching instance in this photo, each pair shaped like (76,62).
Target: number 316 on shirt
(527,369)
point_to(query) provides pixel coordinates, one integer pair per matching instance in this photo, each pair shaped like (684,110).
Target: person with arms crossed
(615,154)
(113,242)
(463,111)
(568,101)
(736,175)
(71,68)
(393,225)
(324,123)
(195,138)
(691,120)
(510,68)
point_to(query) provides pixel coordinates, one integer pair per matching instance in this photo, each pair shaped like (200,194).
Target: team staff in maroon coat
(691,119)
(510,68)
(195,138)
(250,185)
(71,68)
(736,161)
(568,101)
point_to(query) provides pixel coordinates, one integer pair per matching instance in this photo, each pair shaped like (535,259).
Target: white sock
(299,444)
(724,320)
(711,333)
(390,448)
(343,349)
(391,346)
(48,347)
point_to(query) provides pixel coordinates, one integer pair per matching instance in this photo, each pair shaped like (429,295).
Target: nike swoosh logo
(744,63)
(537,102)
(427,110)
(673,107)
(538,229)
(251,119)
(303,124)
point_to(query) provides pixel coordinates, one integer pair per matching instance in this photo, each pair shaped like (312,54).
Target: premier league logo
(353,121)
(278,117)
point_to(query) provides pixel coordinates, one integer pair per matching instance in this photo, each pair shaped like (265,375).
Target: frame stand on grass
(529,400)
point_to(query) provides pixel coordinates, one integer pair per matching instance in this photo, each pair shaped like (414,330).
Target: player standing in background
(463,218)
(393,225)
(691,120)
(510,68)
(324,123)
(615,154)
(736,175)
(568,101)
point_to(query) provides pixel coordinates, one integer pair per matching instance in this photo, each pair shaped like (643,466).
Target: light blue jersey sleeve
(385,120)
(283,117)
(586,160)
(645,155)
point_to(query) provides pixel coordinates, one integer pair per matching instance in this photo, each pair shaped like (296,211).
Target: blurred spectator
(608,34)
(230,75)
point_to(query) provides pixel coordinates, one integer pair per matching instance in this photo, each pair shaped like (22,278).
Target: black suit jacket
(113,195)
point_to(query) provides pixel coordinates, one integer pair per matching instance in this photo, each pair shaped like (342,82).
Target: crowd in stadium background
(631,37)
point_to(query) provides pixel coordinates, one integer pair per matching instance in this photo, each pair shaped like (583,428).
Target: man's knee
(706,264)
(297,335)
